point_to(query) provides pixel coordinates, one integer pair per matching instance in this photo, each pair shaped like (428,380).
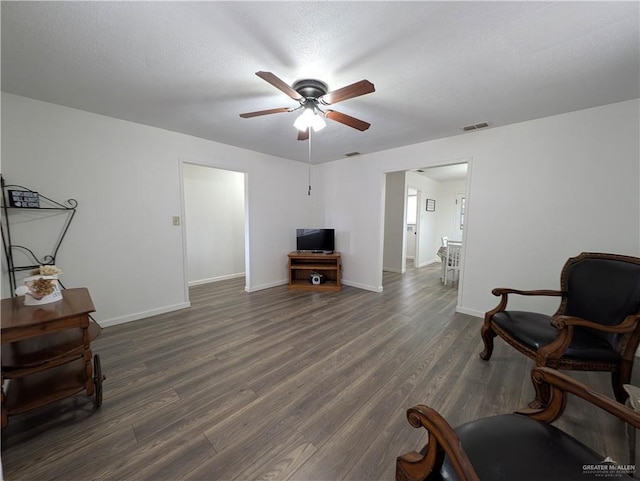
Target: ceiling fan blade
(303,134)
(279,84)
(347,120)
(350,91)
(265,112)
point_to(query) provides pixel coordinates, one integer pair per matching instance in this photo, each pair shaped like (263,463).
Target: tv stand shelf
(302,264)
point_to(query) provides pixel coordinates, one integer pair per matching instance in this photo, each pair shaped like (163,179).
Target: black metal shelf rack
(44,205)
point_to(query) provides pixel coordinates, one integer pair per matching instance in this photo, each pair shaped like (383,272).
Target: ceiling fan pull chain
(309,191)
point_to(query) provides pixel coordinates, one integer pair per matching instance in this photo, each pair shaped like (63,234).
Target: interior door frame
(466,239)
(183,216)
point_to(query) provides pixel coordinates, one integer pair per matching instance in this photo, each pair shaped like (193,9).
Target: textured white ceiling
(437,66)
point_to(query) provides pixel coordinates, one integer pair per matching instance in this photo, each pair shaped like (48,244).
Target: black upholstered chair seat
(513,447)
(535,331)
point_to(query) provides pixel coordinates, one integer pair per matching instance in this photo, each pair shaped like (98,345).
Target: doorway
(441,212)
(412,226)
(214,224)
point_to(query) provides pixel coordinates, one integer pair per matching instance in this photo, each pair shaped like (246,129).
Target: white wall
(446,208)
(345,189)
(394,222)
(214,223)
(539,192)
(126,177)
(429,234)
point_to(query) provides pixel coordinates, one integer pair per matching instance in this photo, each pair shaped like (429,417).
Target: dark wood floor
(283,385)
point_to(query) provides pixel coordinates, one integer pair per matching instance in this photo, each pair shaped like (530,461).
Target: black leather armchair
(523,446)
(596,327)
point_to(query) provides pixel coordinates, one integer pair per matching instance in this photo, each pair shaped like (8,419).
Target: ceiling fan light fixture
(309,119)
(304,121)
(318,123)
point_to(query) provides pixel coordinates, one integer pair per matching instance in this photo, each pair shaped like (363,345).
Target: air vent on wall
(481,125)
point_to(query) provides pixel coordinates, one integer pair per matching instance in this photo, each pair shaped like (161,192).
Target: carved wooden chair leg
(487,337)
(618,380)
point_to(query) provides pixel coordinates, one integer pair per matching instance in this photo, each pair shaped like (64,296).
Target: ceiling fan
(311,94)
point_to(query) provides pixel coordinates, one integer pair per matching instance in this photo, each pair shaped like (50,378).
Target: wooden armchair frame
(553,353)
(443,439)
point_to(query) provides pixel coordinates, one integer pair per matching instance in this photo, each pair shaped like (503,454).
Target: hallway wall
(214,223)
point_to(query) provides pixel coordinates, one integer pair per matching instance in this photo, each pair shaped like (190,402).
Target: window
(412,208)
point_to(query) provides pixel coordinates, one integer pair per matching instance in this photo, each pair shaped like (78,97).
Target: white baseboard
(266,286)
(141,315)
(470,312)
(286,281)
(361,286)
(428,263)
(215,279)
(393,269)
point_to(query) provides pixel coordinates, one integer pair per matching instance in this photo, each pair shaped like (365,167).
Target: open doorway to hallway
(214,224)
(441,199)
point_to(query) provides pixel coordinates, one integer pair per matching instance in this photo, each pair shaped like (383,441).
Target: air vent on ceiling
(481,125)
(351,154)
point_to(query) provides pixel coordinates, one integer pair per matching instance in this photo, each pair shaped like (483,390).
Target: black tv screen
(315,240)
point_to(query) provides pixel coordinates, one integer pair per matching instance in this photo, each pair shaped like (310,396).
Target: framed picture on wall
(431,205)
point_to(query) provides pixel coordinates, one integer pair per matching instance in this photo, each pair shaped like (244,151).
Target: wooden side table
(46,352)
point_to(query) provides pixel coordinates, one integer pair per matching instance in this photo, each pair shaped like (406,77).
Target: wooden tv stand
(303,263)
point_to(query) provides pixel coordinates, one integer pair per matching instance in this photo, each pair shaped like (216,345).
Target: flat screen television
(315,240)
